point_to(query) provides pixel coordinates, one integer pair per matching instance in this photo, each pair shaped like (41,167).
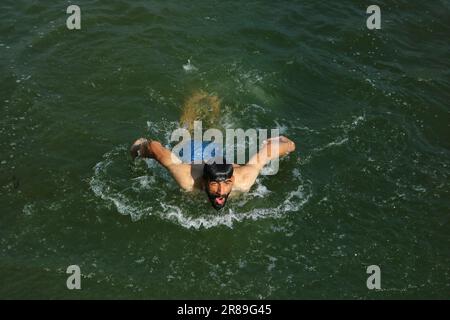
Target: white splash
(102,187)
(189,67)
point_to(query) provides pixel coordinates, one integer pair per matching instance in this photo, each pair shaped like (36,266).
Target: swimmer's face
(218,192)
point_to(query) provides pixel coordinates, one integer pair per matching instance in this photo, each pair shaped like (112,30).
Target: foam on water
(189,67)
(125,194)
(133,190)
(129,194)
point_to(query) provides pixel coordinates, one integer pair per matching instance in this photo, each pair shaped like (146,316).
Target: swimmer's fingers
(286,144)
(134,149)
(140,148)
(289,143)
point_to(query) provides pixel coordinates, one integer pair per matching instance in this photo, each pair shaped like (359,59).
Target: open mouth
(220,200)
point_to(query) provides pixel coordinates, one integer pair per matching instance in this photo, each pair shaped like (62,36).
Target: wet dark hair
(217,171)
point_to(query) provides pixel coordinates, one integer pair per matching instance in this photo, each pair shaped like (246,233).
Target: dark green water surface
(368,184)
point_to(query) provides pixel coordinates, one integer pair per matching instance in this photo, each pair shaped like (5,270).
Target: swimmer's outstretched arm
(147,148)
(272,148)
(181,172)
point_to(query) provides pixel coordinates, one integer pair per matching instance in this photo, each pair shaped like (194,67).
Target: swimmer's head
(219,181)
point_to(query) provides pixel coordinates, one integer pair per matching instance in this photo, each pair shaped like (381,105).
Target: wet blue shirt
(197,151)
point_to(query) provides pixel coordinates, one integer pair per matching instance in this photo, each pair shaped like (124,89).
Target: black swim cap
(217,172)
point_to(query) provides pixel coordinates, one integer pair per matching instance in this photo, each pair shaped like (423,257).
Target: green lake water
(367,185)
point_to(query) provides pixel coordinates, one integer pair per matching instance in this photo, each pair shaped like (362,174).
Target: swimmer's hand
(285,144)
(141,148)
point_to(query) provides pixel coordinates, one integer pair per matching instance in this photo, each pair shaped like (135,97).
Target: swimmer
(217,178)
